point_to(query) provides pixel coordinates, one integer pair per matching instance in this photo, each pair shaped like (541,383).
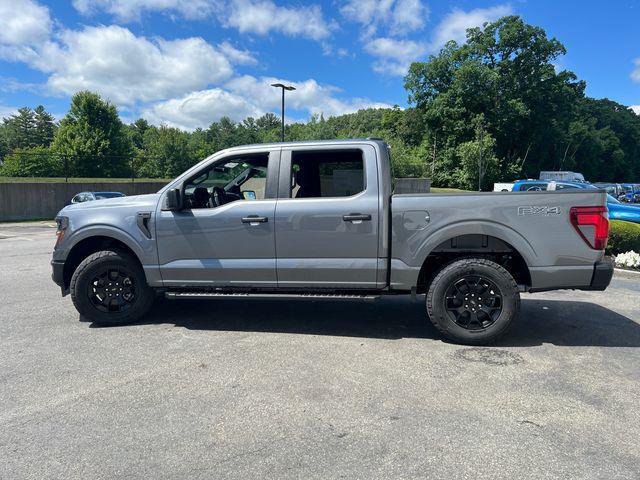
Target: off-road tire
(452,273)
(95,265)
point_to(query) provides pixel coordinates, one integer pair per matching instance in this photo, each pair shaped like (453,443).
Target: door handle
(357,217)
(254,219)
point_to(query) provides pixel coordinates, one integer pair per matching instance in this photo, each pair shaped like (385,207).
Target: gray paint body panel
(542,240)
(306,244)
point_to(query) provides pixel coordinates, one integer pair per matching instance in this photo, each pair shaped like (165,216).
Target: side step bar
(292,296)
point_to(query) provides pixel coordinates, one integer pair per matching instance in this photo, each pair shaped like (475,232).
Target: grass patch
(77,180)
(446,190)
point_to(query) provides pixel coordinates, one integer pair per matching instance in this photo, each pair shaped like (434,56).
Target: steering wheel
(218,195)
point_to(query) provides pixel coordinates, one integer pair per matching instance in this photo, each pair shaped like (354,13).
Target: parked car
(622,211)
(547,186)
(617,209)
(630,193)
(613,189)
(321,221)
(91,196)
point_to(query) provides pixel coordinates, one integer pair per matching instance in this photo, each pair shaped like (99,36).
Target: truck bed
(535,224)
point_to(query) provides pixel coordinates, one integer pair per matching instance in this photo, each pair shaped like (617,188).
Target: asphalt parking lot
(311,389)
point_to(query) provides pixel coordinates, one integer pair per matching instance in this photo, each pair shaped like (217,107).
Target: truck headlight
(62,224)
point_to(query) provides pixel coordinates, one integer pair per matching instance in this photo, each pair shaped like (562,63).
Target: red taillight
(592,223)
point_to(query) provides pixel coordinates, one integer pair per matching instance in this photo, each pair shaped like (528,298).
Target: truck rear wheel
(473,301)
(109,287)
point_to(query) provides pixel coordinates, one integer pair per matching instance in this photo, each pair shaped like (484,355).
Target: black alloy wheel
(112,290)
(473,302)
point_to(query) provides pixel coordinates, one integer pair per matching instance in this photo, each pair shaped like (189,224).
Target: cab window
(228,180)
(327,173)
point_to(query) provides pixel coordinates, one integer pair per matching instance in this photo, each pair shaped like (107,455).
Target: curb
(627,273)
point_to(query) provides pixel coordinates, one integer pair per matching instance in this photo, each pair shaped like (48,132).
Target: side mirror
(174,199)
(249,194)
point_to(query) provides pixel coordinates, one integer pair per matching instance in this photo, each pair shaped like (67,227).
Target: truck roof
(338,141)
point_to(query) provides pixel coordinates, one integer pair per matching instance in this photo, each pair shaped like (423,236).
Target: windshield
(611,199)
(103,195)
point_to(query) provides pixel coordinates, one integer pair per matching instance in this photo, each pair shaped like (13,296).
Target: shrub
(628,260)
(623,237)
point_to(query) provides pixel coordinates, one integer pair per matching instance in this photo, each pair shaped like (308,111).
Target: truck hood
(148,201)
(621,207)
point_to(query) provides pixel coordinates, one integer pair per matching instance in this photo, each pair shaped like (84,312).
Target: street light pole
(283,87)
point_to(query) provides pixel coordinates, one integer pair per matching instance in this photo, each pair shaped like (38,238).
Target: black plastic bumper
(602,273)
(58,273)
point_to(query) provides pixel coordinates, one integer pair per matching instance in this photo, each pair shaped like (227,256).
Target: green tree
(20,129)
(28,128)
(44,126)
(168,152)
(93,139)
(32,162)
(504,72)
(472,170)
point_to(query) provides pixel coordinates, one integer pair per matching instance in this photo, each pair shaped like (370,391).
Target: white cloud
(129,69)
(454,25)
(248,16)
(309,96)
(394,56)
(6,111)
(199,109)
(24,22)
(130,10)
(636,109)
(24,26)
(408,16)
(242,57)
(635,75)
(250,96)
(401,16)
(263,16)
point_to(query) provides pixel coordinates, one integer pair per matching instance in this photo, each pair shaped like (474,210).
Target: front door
(224,234)
(327,218)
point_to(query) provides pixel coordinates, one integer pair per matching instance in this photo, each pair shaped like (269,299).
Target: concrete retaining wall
(412,185)
(27,201)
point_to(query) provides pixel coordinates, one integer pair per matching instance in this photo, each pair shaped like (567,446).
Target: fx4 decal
(544,210)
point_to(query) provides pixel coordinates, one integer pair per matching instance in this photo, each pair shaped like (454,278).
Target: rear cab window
(327,173)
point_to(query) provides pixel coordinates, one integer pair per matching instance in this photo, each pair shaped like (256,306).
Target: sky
(186,63)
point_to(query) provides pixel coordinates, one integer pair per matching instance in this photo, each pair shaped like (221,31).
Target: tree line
(499,97)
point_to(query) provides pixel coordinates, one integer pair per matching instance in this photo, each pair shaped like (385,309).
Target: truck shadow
(558,322)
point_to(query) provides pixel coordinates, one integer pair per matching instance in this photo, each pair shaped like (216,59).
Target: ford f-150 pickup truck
(319,219)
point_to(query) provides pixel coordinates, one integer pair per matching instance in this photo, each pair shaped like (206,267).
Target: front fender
(142,247)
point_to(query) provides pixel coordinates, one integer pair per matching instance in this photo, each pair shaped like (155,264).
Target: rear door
(327,218)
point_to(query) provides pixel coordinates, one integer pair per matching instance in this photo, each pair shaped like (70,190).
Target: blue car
(545,185)
(617,209)
(623,211)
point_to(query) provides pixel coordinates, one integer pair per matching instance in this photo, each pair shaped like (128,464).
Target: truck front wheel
(473,301)
(109,287)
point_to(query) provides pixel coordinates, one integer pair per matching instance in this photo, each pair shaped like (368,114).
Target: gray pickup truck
(320,220)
